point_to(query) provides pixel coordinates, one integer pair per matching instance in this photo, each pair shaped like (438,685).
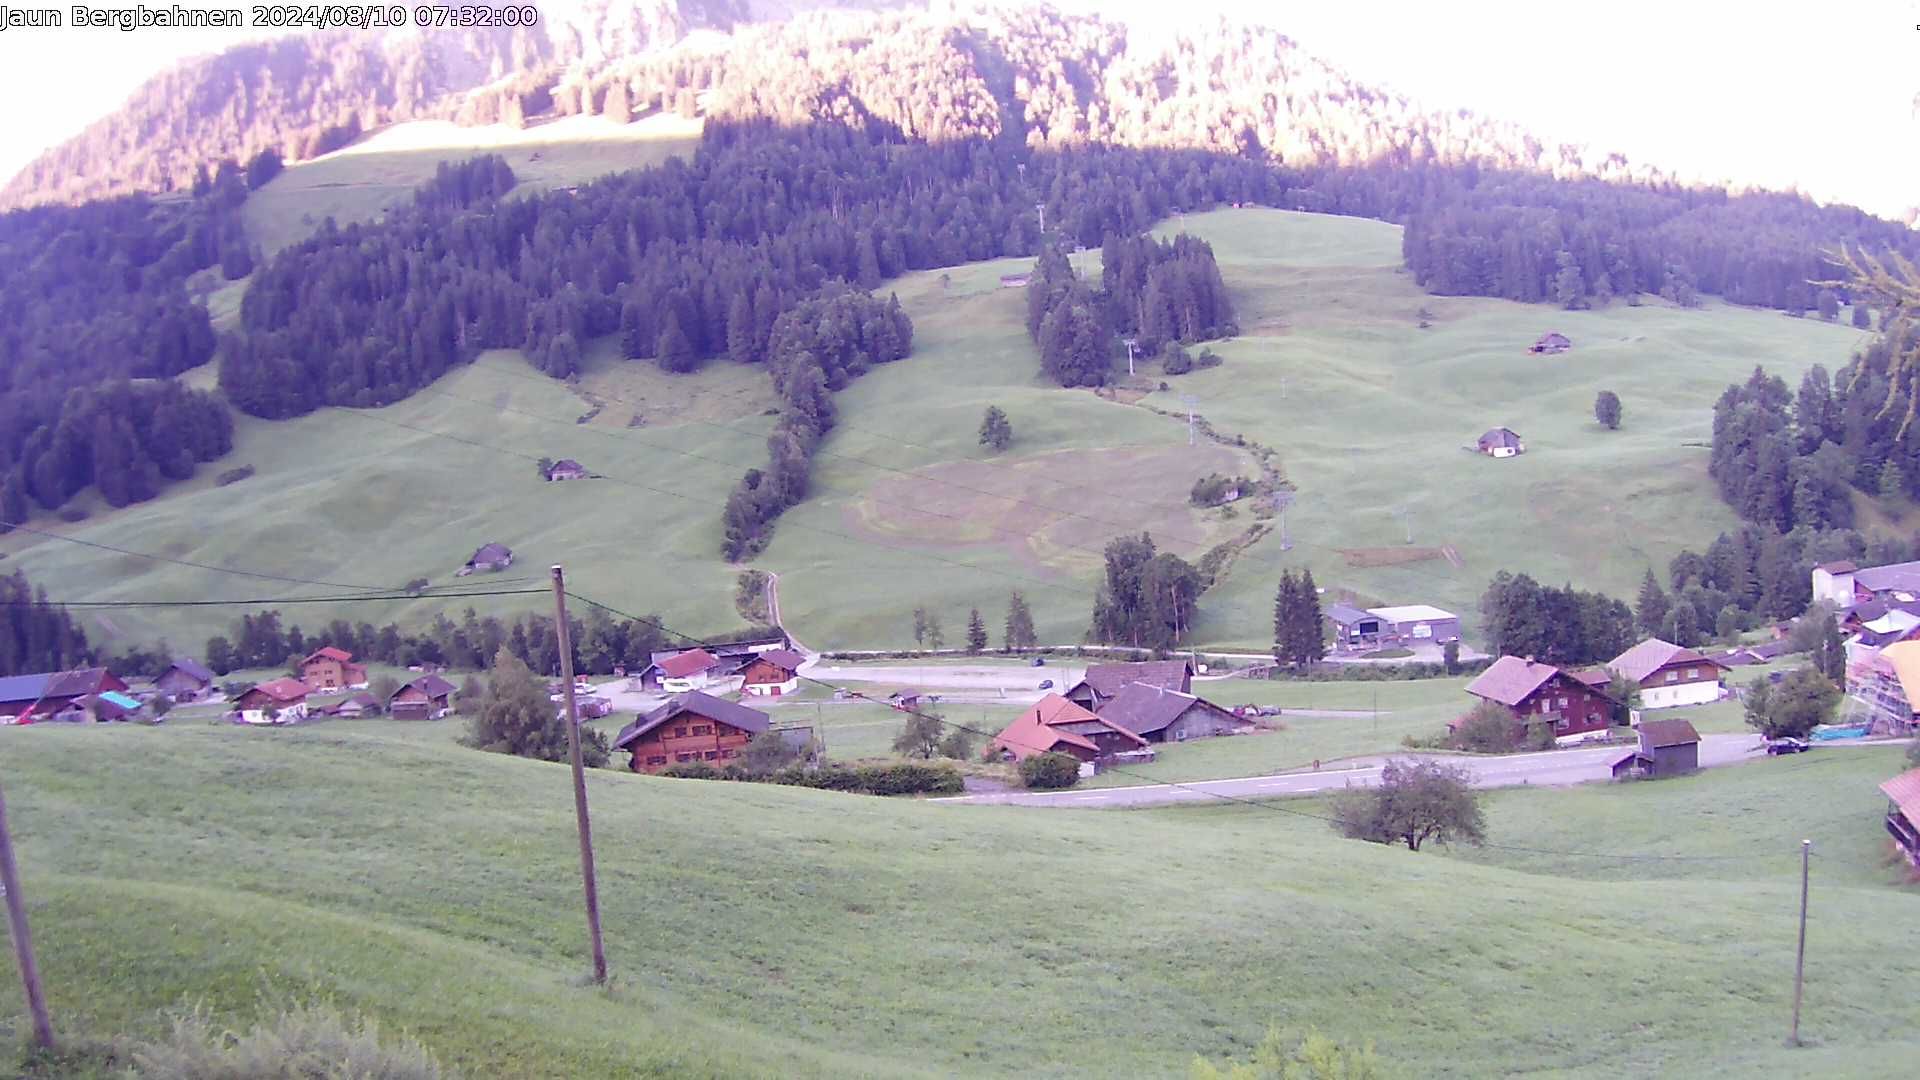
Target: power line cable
(262,601)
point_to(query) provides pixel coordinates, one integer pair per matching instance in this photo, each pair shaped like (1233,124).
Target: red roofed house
(1669,675)
(771,674)
(1057,725)
(690,727)
(330,669)
(1903,815)
(1538,693)
(691,670)
(282,701)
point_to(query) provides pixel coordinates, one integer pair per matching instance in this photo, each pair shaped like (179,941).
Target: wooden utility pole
(564,634)
(22,940)
(1800,956)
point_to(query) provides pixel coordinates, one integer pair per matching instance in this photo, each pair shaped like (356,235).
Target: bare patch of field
(1055,509)
(1390,556)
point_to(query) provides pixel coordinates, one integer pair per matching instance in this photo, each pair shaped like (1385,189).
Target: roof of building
(1904,576)
(1412,613)
(1511,680)
(1144,709)
(784,659)
(51,684)
(1048,723)
(1844,566)
(687,663)
(1902,658)
(1554,335)
(328,652)
(191,667)
(1107,680)
(1346,614)
(1595,676)
(1500,436)
(1904,790)
(1893,622)
(1656,734)
(492,551)
(285,689)
(565,463)
(1653,654)
(699,704)
(431,685)
(120,699)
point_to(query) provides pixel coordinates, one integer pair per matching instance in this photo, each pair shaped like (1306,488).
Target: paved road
(1020,684)
(1548,768)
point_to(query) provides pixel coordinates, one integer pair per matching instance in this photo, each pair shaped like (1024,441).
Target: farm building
(352,708)
(1843,585)
(25,698)
(689,727)
(771,674)
(489,557)
(103,708)
(696,669)
(1553,341)
(732,656)
(566,469)
(1903,813)
(428,697)
(1538,693)
(1500,442)
(282,701)
(328,669)
(1354,628)
(1056,725)
(1670,675)
(1667,748)
(1746,655)
(185,680)
(1160,715)
(1103,682)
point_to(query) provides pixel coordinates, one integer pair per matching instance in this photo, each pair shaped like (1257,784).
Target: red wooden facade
(331,669)
(1570,706)
(688,738)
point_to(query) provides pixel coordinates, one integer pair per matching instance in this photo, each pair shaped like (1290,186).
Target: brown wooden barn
(428,697)
(1538,693)
(690,727)
(1667,748)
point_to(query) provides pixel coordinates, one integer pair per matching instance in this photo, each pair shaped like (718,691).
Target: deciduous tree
(1606,409)
(1414,802)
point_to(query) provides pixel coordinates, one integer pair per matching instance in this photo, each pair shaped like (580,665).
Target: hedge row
(1378,672)
(898,778)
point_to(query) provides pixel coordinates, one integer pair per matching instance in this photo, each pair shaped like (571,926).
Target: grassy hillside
(1368,414)
(359,182)
(765,931)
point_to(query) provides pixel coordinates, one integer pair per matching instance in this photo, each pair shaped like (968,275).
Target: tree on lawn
(1651,613)
(1019,628)
(1606,409)
(1830,653)
(921,737)
(1792,708)
(1415,801)
(996,431)
(1489,728)
(1450,656)
(1298,637)
(518,719)
(976,632)
(920,626)
(958,744)
(936,637)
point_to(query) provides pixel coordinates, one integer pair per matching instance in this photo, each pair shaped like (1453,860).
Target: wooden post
(22,940)
(564,635)
(1800,956)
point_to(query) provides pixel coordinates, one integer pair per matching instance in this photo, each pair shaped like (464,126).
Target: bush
(233,476)
(416,586)
(1050,771)
(897,778)
(691,770)
(297,1045)
(1488,729)
(1207,358)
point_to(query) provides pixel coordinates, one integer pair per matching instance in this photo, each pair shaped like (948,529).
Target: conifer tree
(1651,613)
(976,632)
(1019,628)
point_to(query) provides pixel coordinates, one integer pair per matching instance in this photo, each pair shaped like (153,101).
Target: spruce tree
(1019,628)
(976,632)
(674,352)
(1310,640)
(1283,604)
(1651,613)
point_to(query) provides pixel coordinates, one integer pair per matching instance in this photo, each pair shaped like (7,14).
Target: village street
(1547,768)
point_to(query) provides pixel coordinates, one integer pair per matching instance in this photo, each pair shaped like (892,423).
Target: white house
(693,670)
(282,701)
(1669,676)
(1833,584)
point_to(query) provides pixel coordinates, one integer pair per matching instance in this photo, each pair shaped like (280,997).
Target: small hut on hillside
(1552,341)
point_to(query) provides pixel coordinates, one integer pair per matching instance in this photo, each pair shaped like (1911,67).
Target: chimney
(1529,661)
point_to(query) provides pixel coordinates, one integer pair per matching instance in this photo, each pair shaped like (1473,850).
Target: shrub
(1488,729)
(1049,771)
(416,586)
(233,476)
(1177,361)
(691,770)
(1207,358)
(297,1045)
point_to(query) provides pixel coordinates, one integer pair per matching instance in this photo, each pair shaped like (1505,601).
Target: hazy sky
(1753,92)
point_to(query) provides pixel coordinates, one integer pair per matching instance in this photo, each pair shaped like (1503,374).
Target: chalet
(489,557)
(1670,675)
(282,701)
(692,670)
(1538,693)
(1903,813)
(185,680)
(1103,682)
(566,469)
(1553,341)
(25,698)
(1057,725)
(1160,715)
(689,727)
(1500,442)
(1667,748)
(428,697)
(771,674)
(328,669)
(732,656)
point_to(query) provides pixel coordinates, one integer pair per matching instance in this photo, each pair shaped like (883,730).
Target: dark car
(1788,746)
(1039,661)
(1046,684)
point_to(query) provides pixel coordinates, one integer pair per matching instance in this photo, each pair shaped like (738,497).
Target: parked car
(1039,661)
(1788,746)
(1046,684)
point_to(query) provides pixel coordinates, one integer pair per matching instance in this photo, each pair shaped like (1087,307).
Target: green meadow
(763,931)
